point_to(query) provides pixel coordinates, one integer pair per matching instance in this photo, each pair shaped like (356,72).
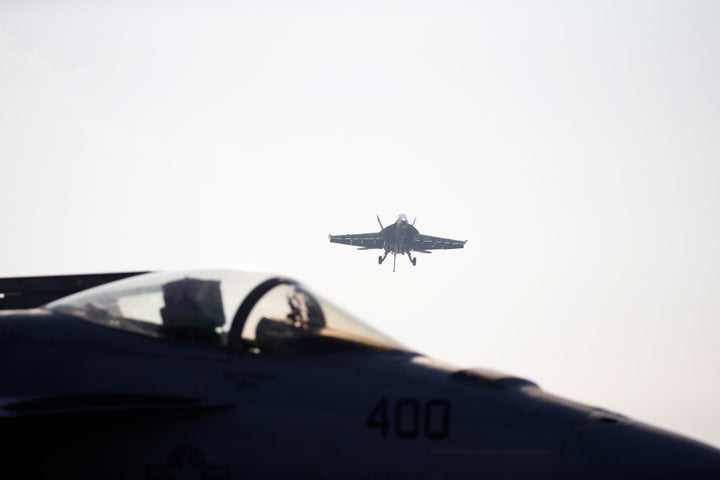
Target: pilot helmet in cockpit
(305,312)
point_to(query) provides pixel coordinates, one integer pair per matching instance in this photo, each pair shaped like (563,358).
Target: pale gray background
(574,144)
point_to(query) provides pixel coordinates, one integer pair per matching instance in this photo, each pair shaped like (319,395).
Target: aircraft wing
(427,242)
(364,241)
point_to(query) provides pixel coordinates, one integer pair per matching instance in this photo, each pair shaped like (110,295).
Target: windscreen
(287,317)
(200,306)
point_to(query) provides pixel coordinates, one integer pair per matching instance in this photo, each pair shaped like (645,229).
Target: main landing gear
(412,259)
(381,258)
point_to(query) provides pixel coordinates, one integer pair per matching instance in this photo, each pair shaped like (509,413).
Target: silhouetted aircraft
(220,374)
(401,237)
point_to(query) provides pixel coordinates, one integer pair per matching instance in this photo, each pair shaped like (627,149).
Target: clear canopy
(237,309)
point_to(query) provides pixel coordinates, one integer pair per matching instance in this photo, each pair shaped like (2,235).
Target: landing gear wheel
(380,260)
(414,261)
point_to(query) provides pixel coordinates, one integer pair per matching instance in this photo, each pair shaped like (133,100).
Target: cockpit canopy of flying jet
(252,311)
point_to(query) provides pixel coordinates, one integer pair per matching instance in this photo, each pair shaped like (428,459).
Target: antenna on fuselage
(381,225)
(413,224)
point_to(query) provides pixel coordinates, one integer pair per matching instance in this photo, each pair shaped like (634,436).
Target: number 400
(410,418)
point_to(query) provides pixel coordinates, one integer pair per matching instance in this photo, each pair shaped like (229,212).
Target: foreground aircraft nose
(608,447)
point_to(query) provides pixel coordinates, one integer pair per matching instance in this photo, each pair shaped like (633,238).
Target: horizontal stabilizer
(32,292)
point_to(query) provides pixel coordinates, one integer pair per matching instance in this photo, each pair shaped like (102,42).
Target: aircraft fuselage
(398,236)
(83,401)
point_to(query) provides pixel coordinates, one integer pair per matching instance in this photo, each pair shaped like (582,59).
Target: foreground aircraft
(401,237)
(235,374)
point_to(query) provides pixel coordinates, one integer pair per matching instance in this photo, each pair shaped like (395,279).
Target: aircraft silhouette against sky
(223,374)
(399,238)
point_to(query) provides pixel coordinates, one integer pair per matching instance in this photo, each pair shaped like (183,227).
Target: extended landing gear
(382,258)
(413,260)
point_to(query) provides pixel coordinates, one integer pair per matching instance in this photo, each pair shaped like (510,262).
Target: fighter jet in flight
(401,237)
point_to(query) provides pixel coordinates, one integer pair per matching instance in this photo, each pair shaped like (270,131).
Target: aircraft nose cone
(613,448)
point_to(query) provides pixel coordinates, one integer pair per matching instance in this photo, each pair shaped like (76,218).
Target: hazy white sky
(574,144)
